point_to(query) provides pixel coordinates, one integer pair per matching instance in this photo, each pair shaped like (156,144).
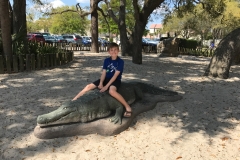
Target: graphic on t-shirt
(111,68)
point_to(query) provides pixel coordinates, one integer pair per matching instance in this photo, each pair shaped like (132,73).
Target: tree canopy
(198,19)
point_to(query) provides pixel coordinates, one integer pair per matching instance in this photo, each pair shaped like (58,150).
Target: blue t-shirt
(112,65)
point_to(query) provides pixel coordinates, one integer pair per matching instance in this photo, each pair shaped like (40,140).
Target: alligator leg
(117,118)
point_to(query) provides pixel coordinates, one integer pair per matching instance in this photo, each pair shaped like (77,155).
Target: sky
(83,3)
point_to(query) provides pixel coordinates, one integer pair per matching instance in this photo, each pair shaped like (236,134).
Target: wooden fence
(75,47)
(29,62)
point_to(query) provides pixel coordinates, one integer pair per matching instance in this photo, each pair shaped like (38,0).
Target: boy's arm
(103,75)
(111,81)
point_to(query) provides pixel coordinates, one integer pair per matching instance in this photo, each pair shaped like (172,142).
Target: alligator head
(66,113)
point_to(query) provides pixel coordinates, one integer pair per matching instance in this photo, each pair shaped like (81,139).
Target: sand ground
(203,125)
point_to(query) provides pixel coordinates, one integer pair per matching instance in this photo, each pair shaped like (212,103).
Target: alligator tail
(148,88)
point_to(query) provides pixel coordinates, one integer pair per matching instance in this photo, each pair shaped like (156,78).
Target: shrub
(190,44)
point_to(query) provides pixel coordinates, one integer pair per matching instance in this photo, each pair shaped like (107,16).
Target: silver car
(74,39)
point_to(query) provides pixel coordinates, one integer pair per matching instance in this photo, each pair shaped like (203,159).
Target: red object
(35,38)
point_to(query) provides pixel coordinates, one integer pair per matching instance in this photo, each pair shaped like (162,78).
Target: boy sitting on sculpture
(110,78)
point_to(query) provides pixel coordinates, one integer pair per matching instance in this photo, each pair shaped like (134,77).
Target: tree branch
(136,9)
(78,10)
(110,12)
(104,16)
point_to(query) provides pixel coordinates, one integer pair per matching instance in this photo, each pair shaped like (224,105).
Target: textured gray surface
(103,126)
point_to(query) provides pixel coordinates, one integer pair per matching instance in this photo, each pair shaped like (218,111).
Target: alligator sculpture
(94,105)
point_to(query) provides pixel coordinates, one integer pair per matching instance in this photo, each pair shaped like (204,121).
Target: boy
(110,78)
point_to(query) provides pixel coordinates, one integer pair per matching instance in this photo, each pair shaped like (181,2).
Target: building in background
(154,31)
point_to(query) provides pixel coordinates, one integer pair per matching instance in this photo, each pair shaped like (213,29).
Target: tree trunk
(94,26)
(19,23)
(5,28)
(137,42)
(125,45)
(141,18)
(134,45)
(226,53)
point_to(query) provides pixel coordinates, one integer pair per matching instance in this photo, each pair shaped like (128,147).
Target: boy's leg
(113,92)
(82,92)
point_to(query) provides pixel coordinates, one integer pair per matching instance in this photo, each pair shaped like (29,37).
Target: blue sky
(57,3)
(83,3)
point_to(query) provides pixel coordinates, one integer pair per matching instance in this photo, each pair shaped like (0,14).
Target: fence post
(72,56)
(33,62)
(1,65)
(28,62)
(43,60)
(57,59)
(66,57)
(39,58)
(15,63)
(60,58)
(21,64)
(63,60)
(8,62)
(54,59)
(51,59)
(47,60)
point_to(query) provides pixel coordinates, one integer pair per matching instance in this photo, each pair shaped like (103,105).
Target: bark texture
(94,26)
(141,16)
(20,23)
(226,53)
(6,28)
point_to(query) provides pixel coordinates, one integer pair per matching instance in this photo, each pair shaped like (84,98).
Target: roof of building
(152,26)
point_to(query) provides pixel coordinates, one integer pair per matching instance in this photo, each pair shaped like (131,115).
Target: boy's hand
(100,86)
(104,89)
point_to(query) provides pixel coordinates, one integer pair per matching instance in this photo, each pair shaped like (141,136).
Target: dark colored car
(161,39)
(35,38)
(86,42)
(149,46)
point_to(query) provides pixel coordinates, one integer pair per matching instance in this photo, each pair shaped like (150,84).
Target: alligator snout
(41,120)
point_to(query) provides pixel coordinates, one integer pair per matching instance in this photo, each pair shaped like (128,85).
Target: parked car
(45,34)
(50,39)
(86,42)
(102,42)
(73,39)
(161,39)
(60,39)
(149,46)
(87,38)
(35,38)
(146,42)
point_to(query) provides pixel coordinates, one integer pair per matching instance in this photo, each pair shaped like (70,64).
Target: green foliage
(58,21)
(67,22)
(103,27)
(214,23)
(40,48)
(187,43)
